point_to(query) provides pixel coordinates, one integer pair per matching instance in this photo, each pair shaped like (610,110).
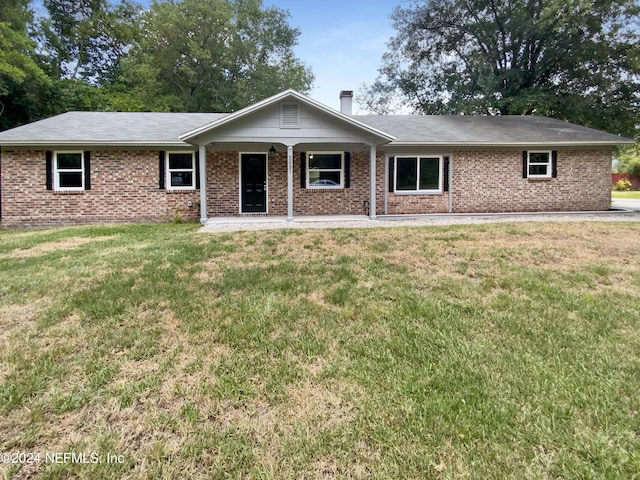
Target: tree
(85,39)
(577,60)
(60,61)
(629,160)
(209,55)
(20,75)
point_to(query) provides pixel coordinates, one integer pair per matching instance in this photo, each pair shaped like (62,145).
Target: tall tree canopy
(85,39)
(177,55)
(210,55)
(577,60)
(20,73)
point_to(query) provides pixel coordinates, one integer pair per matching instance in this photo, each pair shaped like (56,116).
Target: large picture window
(417,174)
(68,171)
(325,170)
(181,171)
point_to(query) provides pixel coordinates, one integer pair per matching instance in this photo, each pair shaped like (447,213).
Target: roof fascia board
(92,143)
(45,143)
(279,97)
(625,141)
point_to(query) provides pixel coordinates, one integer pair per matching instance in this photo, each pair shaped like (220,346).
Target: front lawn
(487,351)
(631,194)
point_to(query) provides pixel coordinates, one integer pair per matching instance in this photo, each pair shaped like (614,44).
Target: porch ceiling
(281,147)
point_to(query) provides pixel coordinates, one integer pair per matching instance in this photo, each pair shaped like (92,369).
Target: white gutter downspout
(372,191)
(202,153)
(289,183)
(386,184)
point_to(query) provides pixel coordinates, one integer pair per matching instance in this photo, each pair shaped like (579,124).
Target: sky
(342,41)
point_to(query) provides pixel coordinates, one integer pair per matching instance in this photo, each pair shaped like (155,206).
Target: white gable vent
(290,116)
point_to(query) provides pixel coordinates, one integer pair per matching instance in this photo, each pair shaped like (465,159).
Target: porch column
(289,184)
(372,193)
(202,153)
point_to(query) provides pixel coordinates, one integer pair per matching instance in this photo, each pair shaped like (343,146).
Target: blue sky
(342,41)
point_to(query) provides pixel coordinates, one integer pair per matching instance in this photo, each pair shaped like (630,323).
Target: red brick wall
(222,184)
(124,187)
(345,201)
(486,181)
(417,204)
(223,180)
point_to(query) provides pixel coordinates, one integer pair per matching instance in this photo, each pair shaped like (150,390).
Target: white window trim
(56,171)
(169,170)
(341,170)
(430,191)
(547,164)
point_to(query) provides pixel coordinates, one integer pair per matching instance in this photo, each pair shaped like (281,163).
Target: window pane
(539,157)
(325,160)
(406,173)
(429,173)
(70,179)
(181,179)
(538,169)
(180,161)
(69,161)
(324,179)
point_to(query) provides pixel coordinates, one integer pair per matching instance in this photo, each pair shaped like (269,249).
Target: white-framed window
(539,164)
(181,171)
(418,174)
(325,170)
(68,171)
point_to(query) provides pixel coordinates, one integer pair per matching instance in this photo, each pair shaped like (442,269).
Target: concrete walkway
(626,203)
(232,224)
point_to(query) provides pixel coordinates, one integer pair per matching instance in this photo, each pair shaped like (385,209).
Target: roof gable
(274,119)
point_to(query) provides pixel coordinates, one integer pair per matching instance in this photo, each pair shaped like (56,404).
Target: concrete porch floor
(272,222)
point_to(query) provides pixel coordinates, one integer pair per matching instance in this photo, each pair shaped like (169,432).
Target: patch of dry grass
(490,351)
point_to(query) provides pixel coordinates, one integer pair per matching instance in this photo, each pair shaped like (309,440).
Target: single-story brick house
(290,155)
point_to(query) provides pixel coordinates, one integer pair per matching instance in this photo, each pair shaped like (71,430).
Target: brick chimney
(346,102)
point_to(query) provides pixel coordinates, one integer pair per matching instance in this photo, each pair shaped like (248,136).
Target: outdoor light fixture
(272,153)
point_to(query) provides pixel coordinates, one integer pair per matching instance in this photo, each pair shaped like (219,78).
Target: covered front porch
(288,156)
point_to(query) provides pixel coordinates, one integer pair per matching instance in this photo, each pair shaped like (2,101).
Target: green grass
(631,194)
(489,351)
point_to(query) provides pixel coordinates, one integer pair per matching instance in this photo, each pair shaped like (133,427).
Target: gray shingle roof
(485,130)
(108,128)
(163,129)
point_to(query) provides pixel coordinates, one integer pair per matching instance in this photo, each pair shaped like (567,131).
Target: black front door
(253,182)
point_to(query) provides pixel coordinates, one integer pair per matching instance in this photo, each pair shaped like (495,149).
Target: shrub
(633,167)
(622,185)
